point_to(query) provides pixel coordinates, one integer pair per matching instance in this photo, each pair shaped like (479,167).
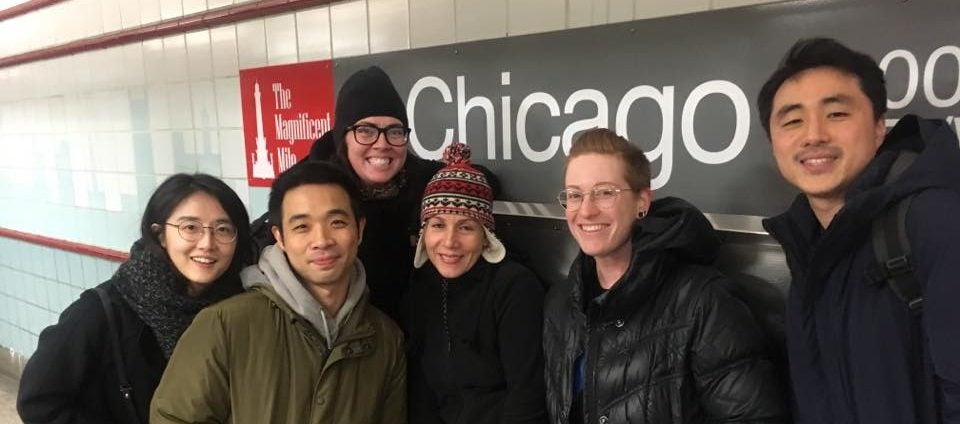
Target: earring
(642,214)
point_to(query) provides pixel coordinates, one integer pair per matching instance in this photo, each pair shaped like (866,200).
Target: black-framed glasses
(192,231)
(367,134)
(603,196)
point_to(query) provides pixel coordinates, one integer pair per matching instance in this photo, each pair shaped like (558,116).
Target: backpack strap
(891,246)
(126,390)
(892,250)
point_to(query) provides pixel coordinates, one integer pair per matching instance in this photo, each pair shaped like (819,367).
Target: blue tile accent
(76,270)
(259,197)
(91,272)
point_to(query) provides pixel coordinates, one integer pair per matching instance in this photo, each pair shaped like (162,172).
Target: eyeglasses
(193,231)
(602,195)
(367,134)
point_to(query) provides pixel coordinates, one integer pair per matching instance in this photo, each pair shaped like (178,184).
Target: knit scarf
(387,190)
(156,292)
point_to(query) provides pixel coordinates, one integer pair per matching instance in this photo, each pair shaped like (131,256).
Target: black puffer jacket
(666,344)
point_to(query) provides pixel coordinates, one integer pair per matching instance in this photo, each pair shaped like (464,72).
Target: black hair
(312,172)
(174,190)
(825,52)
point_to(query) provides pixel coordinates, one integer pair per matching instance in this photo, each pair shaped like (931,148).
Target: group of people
(376,290)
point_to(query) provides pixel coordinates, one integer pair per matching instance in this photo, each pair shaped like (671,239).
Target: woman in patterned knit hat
(474,317)
(194,240)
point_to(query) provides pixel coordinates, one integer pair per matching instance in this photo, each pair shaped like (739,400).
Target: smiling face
(320,234)
(453,243)
(203,261)
(380,161)
(823,132)
(603,232)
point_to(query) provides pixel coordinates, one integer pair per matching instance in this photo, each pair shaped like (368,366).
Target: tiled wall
(85,139)
(38,282)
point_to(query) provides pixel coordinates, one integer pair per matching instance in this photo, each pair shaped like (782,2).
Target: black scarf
(156,291)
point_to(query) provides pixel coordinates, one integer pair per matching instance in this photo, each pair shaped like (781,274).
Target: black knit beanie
(368,92)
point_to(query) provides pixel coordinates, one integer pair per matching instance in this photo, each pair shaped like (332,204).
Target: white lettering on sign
(929,76)
(545,104)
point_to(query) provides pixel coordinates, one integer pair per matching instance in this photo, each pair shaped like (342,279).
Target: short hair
(606,142)
(825,52)
(312,172)
(174,190)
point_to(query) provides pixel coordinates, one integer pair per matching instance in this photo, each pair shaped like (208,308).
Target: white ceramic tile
(123,150)
(161,146)
(579,13)
(110,13)
(228,102)
(527,17)
(170,9)
(83,69)
(58,121)
(187,143)
(82,185)
(181,115)
(623,10)
(194,6)
(158,107)
(721,4)
(432,23)
(116,111)
(133,69)
(129,13)
(646,9)
(213,4)
(313,34)
(240,187)
(233,163)
(88,18)
(389,25)
(149,11)
(251,36)
(175,58)
(112,67)
(204,104)
(348,22)
(223,42)
(478,20)
(102,150)
(281,37)
(199,56)
(79,151)
(153,61)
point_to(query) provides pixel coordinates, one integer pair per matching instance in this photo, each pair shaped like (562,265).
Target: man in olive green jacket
(303,345)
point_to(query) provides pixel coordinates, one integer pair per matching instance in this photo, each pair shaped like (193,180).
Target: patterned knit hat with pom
(460,189)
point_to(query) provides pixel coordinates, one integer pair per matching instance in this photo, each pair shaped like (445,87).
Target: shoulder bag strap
(126,390)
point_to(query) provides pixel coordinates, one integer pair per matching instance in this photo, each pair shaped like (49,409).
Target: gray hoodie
(274,271)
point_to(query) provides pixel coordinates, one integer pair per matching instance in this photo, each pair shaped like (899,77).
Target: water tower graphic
(262,160)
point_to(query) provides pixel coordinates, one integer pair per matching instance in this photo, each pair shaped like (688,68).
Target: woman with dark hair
(194,241)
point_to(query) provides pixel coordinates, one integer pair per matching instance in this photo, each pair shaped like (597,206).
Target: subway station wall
(84,139)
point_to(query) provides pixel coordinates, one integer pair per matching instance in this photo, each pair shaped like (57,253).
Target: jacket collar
(812,252)
(674,231)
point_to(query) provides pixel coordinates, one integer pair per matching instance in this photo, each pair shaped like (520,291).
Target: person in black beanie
(369,140)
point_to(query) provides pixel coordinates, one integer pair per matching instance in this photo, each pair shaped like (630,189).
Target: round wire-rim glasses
(192,231)
(602,195)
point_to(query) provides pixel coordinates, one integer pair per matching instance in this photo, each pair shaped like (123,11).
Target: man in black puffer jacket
(642,330)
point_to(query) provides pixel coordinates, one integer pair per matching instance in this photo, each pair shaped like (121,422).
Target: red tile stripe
(83,249)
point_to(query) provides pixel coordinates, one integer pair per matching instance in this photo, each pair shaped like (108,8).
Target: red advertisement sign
(285,108)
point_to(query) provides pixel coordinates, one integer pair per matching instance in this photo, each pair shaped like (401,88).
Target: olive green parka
(252,359)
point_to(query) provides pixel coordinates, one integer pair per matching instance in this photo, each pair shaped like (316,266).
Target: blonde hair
(605,142)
